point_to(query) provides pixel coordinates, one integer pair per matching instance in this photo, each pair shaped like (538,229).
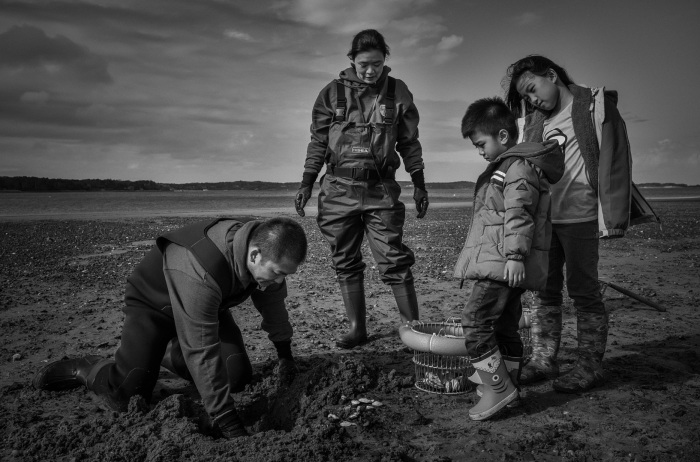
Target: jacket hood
(350,79)
(546,155)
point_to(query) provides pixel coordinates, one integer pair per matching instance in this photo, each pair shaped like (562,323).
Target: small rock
(377,404)
(365,400)
(345,423)
(354,402)
(354,415)
(332,416)
(16,357)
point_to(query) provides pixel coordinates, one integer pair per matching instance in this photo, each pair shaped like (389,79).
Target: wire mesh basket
(445,375)
(438,373)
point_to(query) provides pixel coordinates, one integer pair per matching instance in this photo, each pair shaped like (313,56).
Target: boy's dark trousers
(490,318)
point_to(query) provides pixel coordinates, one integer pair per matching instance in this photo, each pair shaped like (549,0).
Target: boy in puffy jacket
(506,251)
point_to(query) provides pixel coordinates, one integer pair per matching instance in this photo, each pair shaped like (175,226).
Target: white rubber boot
(498,389)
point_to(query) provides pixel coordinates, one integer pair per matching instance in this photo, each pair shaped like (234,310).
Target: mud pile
(318,417)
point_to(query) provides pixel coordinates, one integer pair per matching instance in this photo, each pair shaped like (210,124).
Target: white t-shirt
(573,198)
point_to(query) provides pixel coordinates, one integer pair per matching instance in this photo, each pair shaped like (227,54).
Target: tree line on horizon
(36,184)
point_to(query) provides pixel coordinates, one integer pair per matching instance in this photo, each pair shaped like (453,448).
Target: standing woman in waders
(359,123)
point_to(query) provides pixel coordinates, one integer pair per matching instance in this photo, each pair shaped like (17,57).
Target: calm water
(111,204)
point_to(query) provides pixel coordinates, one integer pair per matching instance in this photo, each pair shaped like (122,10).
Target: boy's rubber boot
(592,329)
(65,374)
(353,293)
(498,389)
(545,338)
(174,361)
(406,301)
(514,366)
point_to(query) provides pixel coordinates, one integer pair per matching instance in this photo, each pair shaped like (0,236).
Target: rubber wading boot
(545,337)
(514,366)
(592,329)
(65,374)
(353,293)
(406,301)
(137,382)
(174,361)
(498,389)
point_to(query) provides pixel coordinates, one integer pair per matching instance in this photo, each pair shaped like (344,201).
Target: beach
(62,274)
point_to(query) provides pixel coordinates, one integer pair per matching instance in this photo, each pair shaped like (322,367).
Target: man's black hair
(280,238)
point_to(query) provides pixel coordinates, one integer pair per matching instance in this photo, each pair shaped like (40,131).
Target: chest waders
(359,196)
(149,329)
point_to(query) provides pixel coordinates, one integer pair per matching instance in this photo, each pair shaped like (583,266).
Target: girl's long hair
(538,65)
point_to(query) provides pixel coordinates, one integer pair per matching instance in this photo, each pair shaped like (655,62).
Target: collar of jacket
(349,78)
(584,129)
(240,253)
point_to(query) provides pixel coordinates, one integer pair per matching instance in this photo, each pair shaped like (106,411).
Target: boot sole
(573,391)
(538,377)
(349,345)
(494,410)
(58,376)
(513,404)
(42,380)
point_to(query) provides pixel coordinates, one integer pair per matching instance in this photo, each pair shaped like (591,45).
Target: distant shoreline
(34,184)
(429,186)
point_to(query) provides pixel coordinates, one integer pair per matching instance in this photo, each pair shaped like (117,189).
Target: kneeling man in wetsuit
(177,315)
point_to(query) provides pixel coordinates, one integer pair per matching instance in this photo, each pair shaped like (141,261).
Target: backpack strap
(194,238)
(341,102)
(390,96)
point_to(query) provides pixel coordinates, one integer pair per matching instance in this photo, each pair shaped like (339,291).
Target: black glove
(287,368)
(421,198)
(230,424)
(420,194)
(304,193)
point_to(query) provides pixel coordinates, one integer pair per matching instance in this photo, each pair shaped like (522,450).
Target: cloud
(29,49)
(444,49)
(448,43)
(34,97)
(234,34)
(527,19)
(632,118)
(666,153)
(343,17)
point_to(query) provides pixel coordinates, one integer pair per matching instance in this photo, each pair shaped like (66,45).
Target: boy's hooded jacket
(511,217)
(602,137)
(334,142)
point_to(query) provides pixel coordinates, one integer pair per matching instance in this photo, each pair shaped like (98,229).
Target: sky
(179,91)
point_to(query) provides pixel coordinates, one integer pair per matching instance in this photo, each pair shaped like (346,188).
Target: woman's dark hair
(368,39)
(536,64)
(280,238)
